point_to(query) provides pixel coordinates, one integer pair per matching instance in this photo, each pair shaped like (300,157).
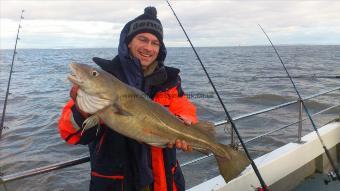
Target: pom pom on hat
(151,11)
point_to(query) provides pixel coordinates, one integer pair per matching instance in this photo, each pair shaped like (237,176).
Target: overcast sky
(88,24)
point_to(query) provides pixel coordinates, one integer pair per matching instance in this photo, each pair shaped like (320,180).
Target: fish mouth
(74,77)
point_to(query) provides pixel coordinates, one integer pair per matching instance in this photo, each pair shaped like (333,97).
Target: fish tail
(232,163)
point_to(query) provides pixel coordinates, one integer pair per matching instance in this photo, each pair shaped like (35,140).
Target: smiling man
(117,162)
(145,47)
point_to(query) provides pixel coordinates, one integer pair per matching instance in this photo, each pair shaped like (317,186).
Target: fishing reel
(265,188)
(331,176)
(4,128)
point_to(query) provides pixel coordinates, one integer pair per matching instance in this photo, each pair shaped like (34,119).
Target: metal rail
(263,135)
(276,107)
(313,76)
(8,178)
(44,169)
(296,122)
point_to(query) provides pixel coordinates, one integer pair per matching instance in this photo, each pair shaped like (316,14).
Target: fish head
(91,80)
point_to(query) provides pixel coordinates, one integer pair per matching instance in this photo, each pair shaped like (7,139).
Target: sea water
(39,89)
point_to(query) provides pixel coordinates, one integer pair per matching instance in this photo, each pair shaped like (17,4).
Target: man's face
(145,47)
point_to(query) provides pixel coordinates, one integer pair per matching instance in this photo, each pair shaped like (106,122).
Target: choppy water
(39,89)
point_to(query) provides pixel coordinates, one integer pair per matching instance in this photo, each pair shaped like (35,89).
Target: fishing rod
(10,75)
(263,184)
(302,77)
(335,170)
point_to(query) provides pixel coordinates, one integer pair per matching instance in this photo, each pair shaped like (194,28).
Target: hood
(131,66)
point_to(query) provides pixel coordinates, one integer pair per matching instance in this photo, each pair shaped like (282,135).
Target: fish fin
(119,110)
(90,122)
(201,150)
(98,129)
(158,145)
(205,127)
(230,167)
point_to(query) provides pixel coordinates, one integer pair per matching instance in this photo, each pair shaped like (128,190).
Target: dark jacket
(118,162)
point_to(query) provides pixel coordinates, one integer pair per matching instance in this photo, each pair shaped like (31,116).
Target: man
(118,162)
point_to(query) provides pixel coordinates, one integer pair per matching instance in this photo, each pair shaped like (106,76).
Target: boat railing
(15,176)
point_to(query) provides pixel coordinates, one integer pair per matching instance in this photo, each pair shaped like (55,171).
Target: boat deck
(316,183)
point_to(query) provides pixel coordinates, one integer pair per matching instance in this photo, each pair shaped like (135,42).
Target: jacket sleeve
(70,124)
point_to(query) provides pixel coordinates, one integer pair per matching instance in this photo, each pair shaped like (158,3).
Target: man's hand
(181,144)
(73,92)
(184,120)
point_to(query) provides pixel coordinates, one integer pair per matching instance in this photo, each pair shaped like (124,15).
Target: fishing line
(264,187)
(10,76)
(335,170)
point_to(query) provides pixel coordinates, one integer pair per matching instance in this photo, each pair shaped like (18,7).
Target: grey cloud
(208,23)
(101,10)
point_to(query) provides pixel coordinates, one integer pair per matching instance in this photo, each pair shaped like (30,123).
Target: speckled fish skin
(133,114)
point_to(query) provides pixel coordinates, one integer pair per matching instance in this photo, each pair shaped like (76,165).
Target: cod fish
(131,113)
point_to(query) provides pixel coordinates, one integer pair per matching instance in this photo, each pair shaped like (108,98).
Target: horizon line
(175,46)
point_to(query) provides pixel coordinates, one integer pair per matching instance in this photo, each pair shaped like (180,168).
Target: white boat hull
(285,167)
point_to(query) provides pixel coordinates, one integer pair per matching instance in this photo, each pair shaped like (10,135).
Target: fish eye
(95,73)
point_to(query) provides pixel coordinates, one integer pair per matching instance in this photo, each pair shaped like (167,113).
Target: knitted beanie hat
(146,22)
